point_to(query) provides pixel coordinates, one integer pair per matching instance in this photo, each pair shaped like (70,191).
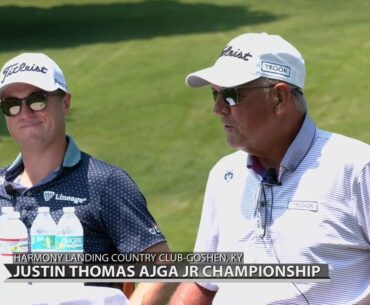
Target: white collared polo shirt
(320,214)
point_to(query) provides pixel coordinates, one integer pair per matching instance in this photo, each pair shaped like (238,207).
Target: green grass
(125,62)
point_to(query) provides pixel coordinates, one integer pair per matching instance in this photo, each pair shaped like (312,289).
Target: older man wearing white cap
(291,193)
(51,171)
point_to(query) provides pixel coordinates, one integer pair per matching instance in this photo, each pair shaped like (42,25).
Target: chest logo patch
(228,175)
(60,197)
(48,195)
(303,205)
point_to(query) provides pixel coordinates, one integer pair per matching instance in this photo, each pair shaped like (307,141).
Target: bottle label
(69,243)
(8,246)
(42,243)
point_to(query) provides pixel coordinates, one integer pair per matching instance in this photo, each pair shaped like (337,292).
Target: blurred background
(125,64)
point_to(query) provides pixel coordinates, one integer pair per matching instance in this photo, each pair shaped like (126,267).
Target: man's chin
(233,143)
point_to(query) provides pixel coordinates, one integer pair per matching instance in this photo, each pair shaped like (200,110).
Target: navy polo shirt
(111,208)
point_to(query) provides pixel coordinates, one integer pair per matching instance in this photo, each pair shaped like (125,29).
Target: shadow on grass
(71,25)
(33,28)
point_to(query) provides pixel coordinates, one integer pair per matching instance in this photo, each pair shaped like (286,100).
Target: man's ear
(67,103)
(282,96)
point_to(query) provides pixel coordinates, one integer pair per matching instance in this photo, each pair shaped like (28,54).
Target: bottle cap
(68,209)
(43,209)
(6,210)
(14,215)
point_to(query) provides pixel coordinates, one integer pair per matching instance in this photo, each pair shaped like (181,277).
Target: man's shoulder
(236,160)
(341,139)
(341,147)
(102,169)
(93,161)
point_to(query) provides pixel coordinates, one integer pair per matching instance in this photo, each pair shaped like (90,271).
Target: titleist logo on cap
(229,51)
(22,67)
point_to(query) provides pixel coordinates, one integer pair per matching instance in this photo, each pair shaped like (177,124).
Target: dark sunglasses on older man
(231,95)
(36,102)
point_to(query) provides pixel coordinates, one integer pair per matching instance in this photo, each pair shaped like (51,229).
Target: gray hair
(299,99)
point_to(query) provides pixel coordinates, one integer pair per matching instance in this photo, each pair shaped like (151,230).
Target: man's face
(250,124)
(29,127)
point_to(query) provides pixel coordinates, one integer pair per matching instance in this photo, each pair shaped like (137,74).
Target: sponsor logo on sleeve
(154,230)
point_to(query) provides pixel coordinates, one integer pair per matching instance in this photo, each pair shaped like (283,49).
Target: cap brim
(45,87)
(220,75)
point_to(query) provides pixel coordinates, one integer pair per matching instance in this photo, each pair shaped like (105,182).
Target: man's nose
(25,110)
(220,107)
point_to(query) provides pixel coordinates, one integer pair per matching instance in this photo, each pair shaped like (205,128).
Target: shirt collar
(296,151)
(71,157)
(300,146)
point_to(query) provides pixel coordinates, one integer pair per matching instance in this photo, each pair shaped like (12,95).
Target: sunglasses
(231,95)
(36,102)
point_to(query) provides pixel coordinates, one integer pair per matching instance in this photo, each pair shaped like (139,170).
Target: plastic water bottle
(13,235)
(70,235)
(43,231)
(69,238)
(6,210)
(4,214)
(13,239)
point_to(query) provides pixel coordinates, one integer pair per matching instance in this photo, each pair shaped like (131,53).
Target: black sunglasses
(231,95)
(36,102)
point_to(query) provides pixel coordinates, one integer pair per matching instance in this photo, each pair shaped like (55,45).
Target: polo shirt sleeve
(207,237)
(125,215)
(362,199)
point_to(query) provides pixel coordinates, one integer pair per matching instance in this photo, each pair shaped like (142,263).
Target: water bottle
(4,214)
(4,211)
(13,235)
(69,237)
(13,239)
(43,231)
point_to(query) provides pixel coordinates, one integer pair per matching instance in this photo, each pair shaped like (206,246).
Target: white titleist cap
(251,56)
(35,69)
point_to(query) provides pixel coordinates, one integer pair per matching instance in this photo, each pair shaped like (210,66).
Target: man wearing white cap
(291,194)
(51,170)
